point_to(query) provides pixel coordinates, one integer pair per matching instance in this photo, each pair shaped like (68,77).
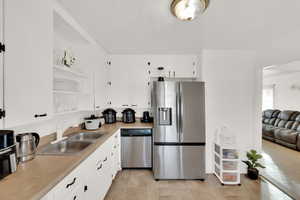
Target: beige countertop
(35,178)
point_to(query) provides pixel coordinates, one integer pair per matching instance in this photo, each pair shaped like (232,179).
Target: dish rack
(226,158)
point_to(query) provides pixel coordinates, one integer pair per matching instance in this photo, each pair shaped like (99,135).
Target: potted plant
(253,164)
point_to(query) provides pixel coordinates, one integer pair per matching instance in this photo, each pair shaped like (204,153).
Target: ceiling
(148,27)
(275,70)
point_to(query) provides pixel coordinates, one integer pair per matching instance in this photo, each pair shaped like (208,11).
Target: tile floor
(140,185)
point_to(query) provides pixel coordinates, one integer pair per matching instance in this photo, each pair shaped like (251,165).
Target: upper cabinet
(1,63)
(128,84)
(130,76)
(173,66)
(28,61)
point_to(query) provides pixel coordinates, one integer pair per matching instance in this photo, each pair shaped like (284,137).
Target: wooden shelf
(65,92)
(69,71)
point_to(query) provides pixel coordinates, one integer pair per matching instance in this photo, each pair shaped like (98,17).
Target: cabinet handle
(133,104)
(174,73)
(41,115)
(85,188)
(75,197)
(125,105)
(169,73)
(105,159)
(70,184)
(97,107)
(99,167)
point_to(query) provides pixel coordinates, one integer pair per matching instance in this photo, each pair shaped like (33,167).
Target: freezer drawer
(179,162)
(136,151)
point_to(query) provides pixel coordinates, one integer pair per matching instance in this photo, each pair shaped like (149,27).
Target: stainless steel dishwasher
(136,148)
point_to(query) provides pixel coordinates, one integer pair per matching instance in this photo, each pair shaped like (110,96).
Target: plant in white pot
(253,164)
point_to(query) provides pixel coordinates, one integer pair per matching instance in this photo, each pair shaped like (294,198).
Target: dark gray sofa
(282,127)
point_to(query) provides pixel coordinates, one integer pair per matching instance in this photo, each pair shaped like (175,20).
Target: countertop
(37,177)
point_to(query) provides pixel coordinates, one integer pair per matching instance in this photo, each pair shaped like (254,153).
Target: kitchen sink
(64,147)
(86,136)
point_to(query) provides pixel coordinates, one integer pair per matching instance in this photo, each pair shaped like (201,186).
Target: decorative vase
(253,173)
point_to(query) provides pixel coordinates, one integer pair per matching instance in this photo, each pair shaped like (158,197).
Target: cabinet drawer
(77,194)
(68,184)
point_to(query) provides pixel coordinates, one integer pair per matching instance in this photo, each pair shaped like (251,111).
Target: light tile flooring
(140,185)
(282,167)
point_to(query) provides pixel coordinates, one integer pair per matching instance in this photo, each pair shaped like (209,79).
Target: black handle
(37,138)
(85,188)
(75,197)
(70,184)
(105,159)
(41,115)
(99,167)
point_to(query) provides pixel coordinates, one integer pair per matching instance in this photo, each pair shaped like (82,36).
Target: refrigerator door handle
(177,111)
(180,111)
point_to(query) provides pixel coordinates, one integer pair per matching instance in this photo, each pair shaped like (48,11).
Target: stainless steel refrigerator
(179,130)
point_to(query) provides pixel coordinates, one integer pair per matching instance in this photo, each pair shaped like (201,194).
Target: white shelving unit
(71,85)
(226,158)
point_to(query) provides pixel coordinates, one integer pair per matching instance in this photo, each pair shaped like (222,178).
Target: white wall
(231,98)
(286,90)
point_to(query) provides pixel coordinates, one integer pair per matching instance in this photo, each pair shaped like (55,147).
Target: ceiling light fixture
(188,9)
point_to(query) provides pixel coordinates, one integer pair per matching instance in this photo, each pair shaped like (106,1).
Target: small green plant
(253,158)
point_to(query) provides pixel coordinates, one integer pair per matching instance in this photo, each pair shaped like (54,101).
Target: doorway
(280,126)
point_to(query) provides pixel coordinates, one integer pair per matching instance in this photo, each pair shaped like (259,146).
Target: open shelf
(65,92)
(69,71)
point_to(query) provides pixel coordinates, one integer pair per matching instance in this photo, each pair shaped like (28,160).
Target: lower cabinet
(93,177)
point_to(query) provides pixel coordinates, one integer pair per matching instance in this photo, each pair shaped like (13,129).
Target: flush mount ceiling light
(188,9)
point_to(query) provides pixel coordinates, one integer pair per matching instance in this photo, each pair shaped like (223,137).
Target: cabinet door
(138,83)
(100,81)
(77,194)
(1,61)
(119,75)
(95,180)
(28,60)
(183,67)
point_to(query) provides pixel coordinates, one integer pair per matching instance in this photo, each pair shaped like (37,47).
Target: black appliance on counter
(8,153)
(110,116)
(128,115)
(146,117)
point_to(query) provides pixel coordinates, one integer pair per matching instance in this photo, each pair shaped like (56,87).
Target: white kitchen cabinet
(129,79)
(118,83)
(100,84)
(1,63)
(77,194)
(28,61)
(92,179)
(173,66)
(139,83)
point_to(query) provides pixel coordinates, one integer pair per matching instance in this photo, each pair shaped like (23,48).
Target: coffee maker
(8,153)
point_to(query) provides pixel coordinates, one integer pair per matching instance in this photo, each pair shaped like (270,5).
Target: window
(268,97)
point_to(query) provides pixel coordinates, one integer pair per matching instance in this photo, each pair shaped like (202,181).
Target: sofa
(282,127)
